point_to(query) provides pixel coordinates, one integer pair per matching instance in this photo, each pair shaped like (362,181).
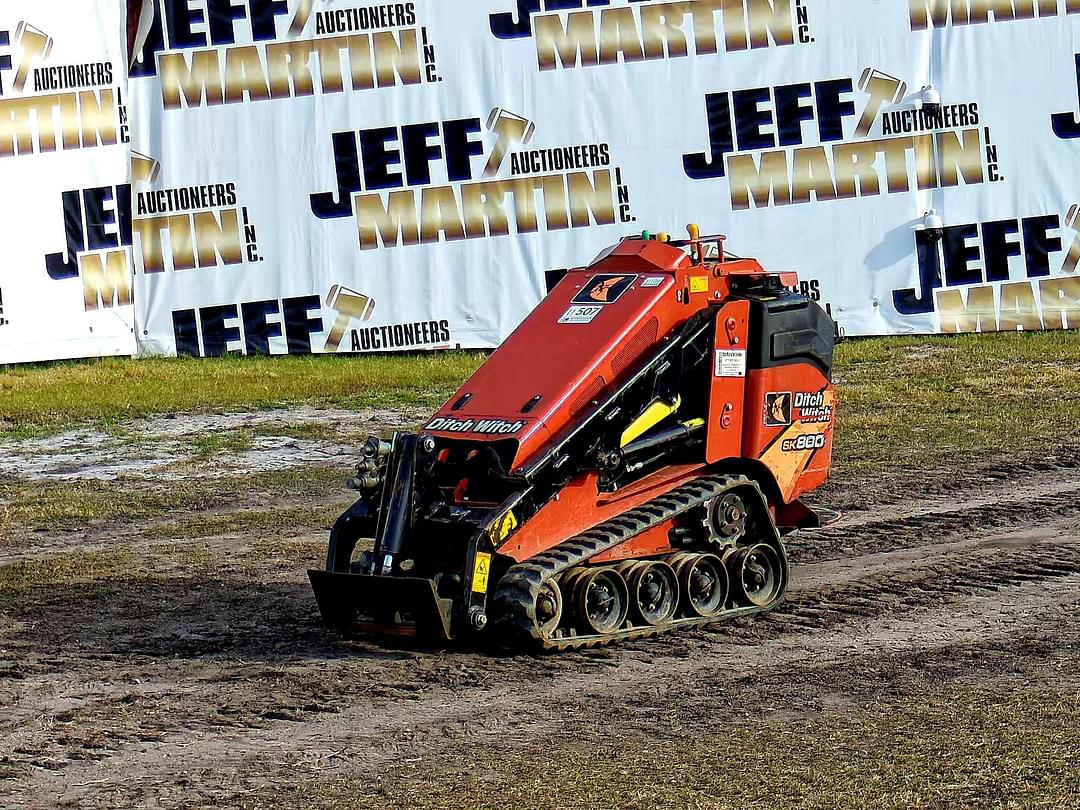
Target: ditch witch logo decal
(1002,275)
(386,179)
(778,409)
(46,107)
(604,289)
(289,49)
(179,229)
(809,408)
(926,14)
(288,325)
(646,30)
(805,432)
(758,140)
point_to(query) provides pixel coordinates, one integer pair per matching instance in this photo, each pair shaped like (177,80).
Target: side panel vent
(645,338)
(589,393)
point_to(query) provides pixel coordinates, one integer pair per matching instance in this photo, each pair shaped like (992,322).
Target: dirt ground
(153,670)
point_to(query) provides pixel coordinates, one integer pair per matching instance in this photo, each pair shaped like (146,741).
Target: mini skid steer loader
(626,463)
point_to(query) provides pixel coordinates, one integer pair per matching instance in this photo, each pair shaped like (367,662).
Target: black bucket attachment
(394,606)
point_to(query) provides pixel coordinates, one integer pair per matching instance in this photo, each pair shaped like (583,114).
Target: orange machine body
(772,421)
(626,462)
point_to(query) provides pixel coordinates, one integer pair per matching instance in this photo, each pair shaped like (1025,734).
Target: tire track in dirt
(928,518)
(989,586)
(378,737)
(995,486)
(1014,564)
(903,582)
(898,489)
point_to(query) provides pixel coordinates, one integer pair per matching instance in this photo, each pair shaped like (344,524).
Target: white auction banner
(65,214)
(341,176)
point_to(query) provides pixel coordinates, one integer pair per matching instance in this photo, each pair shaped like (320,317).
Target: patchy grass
(292,552)
(67,567)
(267,524)
(39,399)
(960,747)
(74,504)
(904,402)
(911,402)
(161,562)
(208,445)
(181,548)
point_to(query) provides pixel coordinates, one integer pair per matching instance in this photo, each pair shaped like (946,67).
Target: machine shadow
(187,619)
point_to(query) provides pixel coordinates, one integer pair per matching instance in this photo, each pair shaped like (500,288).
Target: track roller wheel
(549,608)
(757,573)
(703,581)
(654,592)
(601,599)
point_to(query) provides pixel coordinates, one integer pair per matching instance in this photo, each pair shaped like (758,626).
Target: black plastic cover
(789,327)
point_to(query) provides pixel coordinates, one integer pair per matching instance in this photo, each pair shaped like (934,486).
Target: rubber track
(516,596)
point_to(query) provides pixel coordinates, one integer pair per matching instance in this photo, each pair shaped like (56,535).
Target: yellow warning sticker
(699,284)
(507,525)
(480,573)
